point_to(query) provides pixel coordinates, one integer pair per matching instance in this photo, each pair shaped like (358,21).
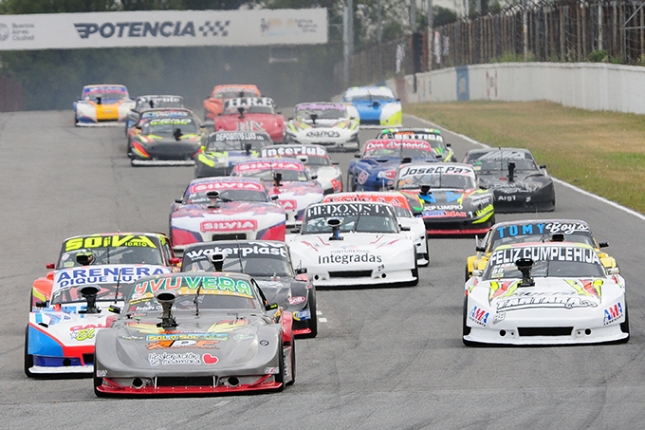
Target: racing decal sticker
(302,315)
(202,187)
(209,359)
(250,126)
(612,314)
(187,336)
(229,225)
(342,209)
(479,316)
(224,136)
(104,275)
(168,359)
(264,342)
(268,165)
(105,241)
(319,106)
(293,150)
(244,337)
(414,135)
(288,204)
(171,344)
(296,300)
(256,249)
(362,177)
(323,133)
(540,228)
(83,335)
(372,145)
(502,289)
(357,257)
(544,300)
(188,285)
(444,214)
(499,317)
(165,114)
(440,169)
(587,287)
(248,101)
(545,253)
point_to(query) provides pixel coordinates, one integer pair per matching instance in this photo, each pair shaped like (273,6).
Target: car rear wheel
(29,359)
(279,377)
(415,272)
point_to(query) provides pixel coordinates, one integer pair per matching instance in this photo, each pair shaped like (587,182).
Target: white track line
(566,184)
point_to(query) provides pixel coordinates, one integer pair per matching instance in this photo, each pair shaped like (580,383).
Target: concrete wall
(589,86)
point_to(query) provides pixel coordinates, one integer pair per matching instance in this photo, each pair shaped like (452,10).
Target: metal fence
(556,31)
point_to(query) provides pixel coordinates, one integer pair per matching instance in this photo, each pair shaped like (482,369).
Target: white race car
(315,157)
(323,123)
(102,105)
(404,213)
(354,243)
(61,332)
(545,293)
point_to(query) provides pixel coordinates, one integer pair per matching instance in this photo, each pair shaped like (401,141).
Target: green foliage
(597,56)
(443,16)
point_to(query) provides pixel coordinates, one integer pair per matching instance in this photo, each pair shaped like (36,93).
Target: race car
(224,149)
(452,203)
(269,263)
(323,123)
(102,105)
(167,142)
(544,293)
(344,244)
(516,180)
(106,248)
(195,333)
(252,114)
(225,209)
(61,332)
(214,104)
(376,167)
(430,135)
(316,158)
(157,113)
(408,219)
(142,103)
(375,107)
(287,180)
(534,230)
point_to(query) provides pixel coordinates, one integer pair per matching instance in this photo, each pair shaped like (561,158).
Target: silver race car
(323,123)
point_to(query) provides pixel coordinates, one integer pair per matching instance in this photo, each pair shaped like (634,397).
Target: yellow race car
(102,105)
(535,230)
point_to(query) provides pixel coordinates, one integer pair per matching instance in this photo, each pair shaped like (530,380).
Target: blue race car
(376,168)
(374,107)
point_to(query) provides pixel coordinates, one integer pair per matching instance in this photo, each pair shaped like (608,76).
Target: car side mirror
(417,213)
(603,245)
(41,304)
(295,230)
(314,177)
(480,249)
(335,163)
(357,155)
(613,271)
(542,166)
(448,145)
(404,228)
(178,200)
(301,270)
(275,197)
(114,309)
(50,266)
(271,306)
(483,187)
(478,273)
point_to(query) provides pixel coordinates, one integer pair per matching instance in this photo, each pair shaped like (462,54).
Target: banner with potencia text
(163,28)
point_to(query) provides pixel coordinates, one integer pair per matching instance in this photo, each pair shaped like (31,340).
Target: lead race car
(452,203)
(287,180)
(106,248)
(61,332)
(376,168)
(269,263)
(407,217)
(252,114)
(545,294)
(224,149)
(102,105)
(217,334)
(323,123)
(223,209)
(533,230)
(345,244)
(514,177)
(167,142)
(315,157)
(375,107)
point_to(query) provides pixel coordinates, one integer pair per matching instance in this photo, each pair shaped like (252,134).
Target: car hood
(226,209)
(523,181)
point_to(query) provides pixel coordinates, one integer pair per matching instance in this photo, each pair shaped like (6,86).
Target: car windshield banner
(163,28)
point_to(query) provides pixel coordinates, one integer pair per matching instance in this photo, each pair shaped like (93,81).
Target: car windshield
(113,255)
(402,212)
(322,113)
(170,126)
(500,160)
(371,94)
(268,175)
(560,269)
(159,102)
(186,302)
(352,223)
(71,294)
(254,266)
(231,94)
(226,196)
(437,180)
(576,237)
(235,145)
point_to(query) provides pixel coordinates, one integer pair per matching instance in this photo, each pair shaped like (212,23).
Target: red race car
(214,104)
(252,114)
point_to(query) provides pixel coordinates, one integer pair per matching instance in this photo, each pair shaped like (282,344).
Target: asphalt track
(388,358)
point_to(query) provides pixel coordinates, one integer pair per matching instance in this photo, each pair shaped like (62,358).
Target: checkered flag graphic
(217,28)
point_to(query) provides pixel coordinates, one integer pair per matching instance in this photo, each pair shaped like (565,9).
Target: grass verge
(601,152)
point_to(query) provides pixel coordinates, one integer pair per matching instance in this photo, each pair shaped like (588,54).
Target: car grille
(185,381)
(351,274)
(370,122)
(545,331)
(230,236)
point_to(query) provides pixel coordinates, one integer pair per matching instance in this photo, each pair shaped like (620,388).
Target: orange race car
(214,105)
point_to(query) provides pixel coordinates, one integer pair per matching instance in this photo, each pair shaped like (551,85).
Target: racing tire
(415,273)
(426,256)
(467,273)
(624,326)
(29,359)
(465,329)
(313,322)
(351,185)
(293,362)
(279,377)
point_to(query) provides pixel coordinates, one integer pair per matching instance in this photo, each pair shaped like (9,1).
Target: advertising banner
(163,28)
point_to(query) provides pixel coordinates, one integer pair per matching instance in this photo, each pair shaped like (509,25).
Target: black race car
(269,263)
(518,183)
